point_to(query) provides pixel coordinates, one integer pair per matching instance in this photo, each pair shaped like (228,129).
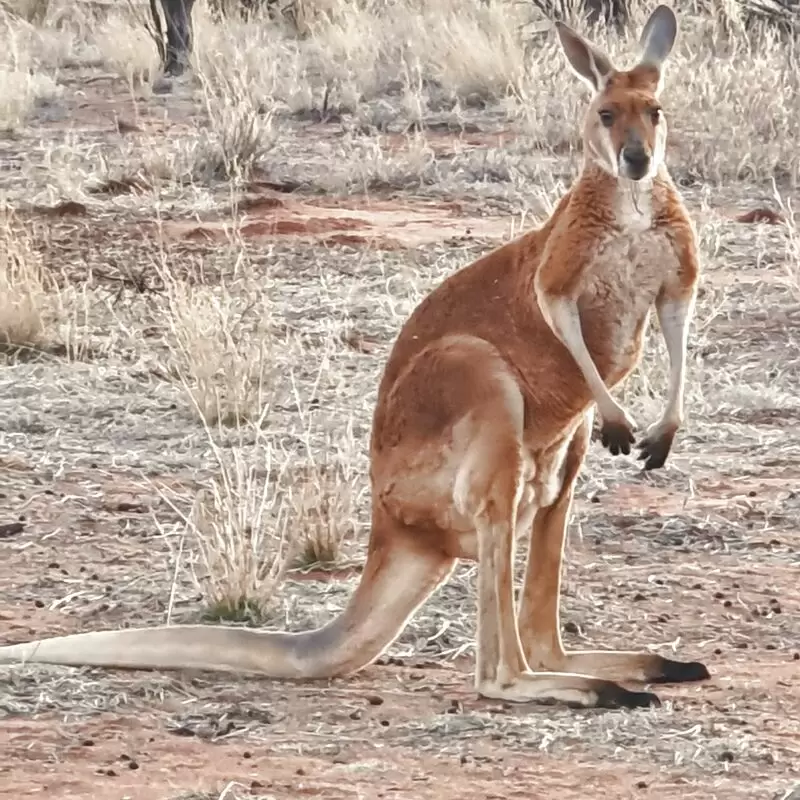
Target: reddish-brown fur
(483,421)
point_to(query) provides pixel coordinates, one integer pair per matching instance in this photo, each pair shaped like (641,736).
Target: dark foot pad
(612,695)
(654,452)
(617,438)
(681,672)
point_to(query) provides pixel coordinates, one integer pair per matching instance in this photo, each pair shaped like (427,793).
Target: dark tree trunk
(175,48)
(607,12)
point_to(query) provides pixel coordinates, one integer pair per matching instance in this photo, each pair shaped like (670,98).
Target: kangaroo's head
(625,132)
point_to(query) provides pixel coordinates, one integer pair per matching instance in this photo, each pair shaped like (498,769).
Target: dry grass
(221,344)
(208,371)
(325,495)
(240,525)
(24,84)
(125,46)
(23,289)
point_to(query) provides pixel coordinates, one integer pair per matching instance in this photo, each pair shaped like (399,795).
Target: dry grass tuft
(792,243)
(236,63)
(23,85)
(39,313)
(127,48)
(23,287)
(221,347)
(325,495)
(239,526)
(241,130)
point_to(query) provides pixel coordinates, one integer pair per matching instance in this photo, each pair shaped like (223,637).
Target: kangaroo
(483,421)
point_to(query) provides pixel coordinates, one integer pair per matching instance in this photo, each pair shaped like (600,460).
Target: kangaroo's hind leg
(448,464)
(487,488)
(539,623)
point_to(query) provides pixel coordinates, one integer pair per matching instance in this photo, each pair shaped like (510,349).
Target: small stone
(727,755)
(570,627)
(133,764)
(455,707)
(375,700)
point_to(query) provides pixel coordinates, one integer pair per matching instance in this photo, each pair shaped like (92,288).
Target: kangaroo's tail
(397,579)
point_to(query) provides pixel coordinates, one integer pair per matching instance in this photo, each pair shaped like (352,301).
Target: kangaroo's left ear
(658,36)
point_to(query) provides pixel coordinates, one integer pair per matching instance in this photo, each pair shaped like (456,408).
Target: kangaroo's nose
(635,162)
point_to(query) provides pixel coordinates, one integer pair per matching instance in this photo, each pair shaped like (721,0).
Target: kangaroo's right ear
(587,62)
(658,36)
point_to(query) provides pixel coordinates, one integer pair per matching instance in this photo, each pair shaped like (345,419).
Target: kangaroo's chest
(619,289)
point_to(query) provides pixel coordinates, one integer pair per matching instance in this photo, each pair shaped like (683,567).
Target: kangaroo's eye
(655,115)
(607,117)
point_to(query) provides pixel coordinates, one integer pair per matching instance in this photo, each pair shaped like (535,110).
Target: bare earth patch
(381,224)
(100,448)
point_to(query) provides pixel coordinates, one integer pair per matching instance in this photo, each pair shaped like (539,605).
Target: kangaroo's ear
(658,36)
(588,63)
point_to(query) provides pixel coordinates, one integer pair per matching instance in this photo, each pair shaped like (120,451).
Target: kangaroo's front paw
(654,447)
(617,434)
